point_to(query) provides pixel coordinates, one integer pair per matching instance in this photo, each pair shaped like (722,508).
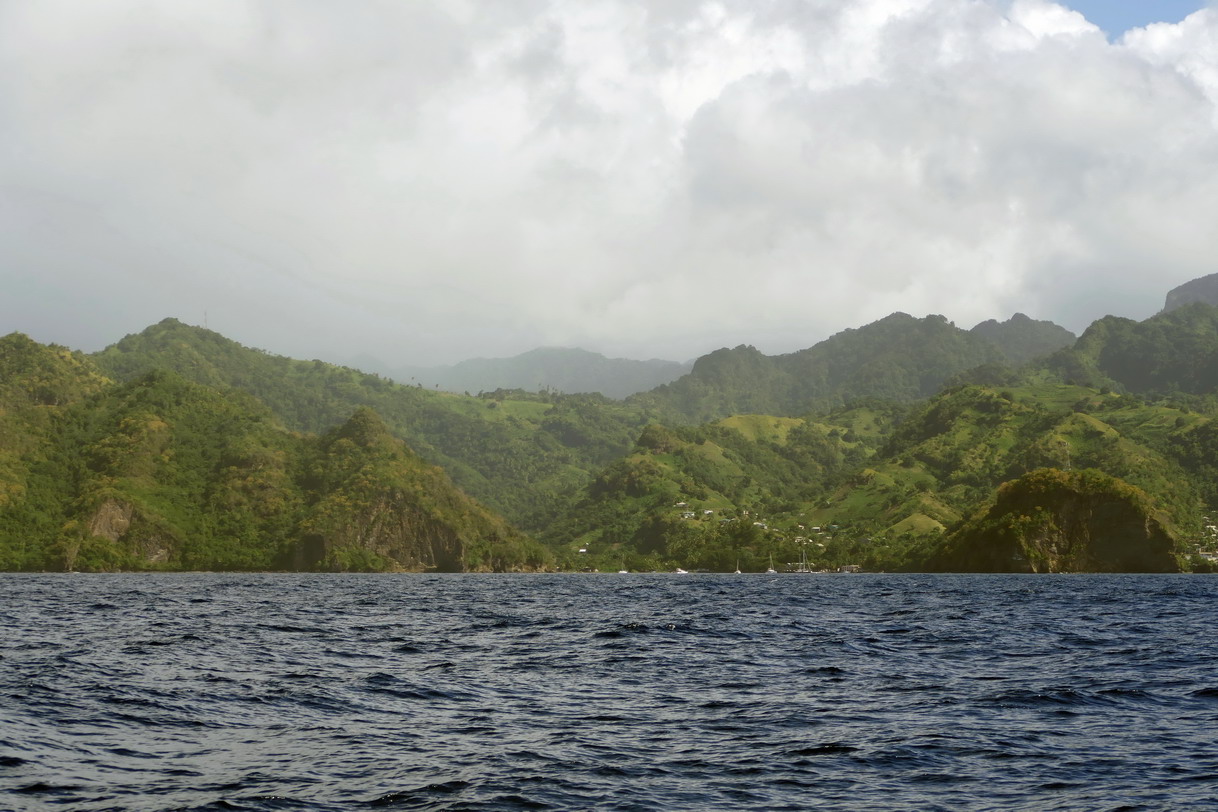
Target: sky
(434,180)
(1115,17)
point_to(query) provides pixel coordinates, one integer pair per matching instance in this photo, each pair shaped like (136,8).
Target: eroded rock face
(111,520)
(404,536)
(1204,289)
(1094,535)
(154,549)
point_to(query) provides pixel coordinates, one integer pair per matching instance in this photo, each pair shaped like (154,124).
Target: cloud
(429,181)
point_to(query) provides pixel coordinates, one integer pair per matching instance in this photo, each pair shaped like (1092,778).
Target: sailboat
(803,560)
(771,570)
(738,566)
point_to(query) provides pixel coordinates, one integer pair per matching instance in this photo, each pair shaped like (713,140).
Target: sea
(616,692)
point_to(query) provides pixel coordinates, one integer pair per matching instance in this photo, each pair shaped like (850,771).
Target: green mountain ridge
(1021,339)
(522,454)
(880,488)
(898,358)
(1171,353)
(885,447)
(163,473)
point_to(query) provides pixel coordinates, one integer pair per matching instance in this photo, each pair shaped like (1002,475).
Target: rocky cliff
(1204,289)
(1063,521)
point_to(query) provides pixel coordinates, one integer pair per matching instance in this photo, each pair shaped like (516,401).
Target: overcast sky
(431,181)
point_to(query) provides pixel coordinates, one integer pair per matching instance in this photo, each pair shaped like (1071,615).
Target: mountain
(898,358)
(548,368)
(523,455)
(374,505)
(1204,290)
(882,446)
(163,473)
(37,384)
(1172,353)
(1020,339)
(878,484)
(946,461)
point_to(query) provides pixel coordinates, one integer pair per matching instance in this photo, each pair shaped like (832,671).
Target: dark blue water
(277,692)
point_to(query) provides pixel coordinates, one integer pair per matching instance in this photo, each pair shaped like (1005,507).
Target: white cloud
(433,180)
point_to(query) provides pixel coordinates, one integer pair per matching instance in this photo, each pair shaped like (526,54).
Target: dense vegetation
(878,487)
(1051,520)
(523,454)
(1172,353)
(163,473)
(726,494)
(905,444)
(1021,339)
(898,358)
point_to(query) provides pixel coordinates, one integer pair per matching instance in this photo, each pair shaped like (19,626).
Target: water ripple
(329,692)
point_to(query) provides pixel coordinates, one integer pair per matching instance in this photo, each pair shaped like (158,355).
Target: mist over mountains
(568,370)
(1204,289)
(571,371)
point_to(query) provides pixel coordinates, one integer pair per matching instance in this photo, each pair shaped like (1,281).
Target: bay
(285,691)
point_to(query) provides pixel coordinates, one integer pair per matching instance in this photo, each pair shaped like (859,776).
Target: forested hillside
(1051,520)
(1172,354)
(164,473)
(893,446)
(879,486)
(701,496)
(898,358)
(1021,339)
(523,454)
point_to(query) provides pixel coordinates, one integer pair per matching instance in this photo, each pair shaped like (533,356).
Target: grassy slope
(861,491)
(945,462)
(735,490)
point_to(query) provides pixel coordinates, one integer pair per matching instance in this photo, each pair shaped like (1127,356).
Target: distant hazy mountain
(559,369)
(1021,339)
(1204,289)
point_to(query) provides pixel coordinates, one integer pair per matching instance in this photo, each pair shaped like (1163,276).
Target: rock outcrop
(1063,521)
(1204,289)
(111,519)
(375,505)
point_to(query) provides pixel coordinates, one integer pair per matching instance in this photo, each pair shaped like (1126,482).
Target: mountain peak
(1021,338)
